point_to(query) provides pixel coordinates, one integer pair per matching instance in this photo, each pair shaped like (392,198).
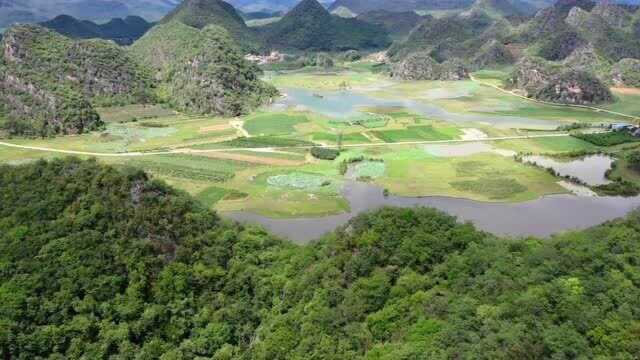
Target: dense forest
(99,262)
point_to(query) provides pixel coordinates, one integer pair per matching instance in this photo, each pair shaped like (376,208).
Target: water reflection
(346,103)
(590,169)
(542,217)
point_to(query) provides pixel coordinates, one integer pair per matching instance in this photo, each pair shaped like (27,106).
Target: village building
(272,58)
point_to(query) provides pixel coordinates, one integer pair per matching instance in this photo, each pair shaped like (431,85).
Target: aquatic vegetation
(494,188)
(369,169)
(298,180)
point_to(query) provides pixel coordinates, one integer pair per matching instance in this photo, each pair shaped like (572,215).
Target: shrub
(619,188)
(325,153)
(633,161)
(351,55)
(608,139)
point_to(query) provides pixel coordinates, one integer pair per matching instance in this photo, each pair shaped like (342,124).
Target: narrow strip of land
(263,149)
(512,93)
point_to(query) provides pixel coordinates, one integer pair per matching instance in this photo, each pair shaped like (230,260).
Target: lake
(542,217)
(347,103)
(590,169)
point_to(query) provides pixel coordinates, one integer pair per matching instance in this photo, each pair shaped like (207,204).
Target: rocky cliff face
(421,66)
(543,81)
(614,15)
(102,70)
(626,73)
(575,87)
(35,110)
(531,74)
(49,82)
(584,58)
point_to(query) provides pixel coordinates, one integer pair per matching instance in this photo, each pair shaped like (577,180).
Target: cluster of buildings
(630,128)
(272,58)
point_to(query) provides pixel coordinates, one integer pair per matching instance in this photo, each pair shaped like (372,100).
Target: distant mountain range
(271,5)
(29,11)
(122,31)
(32,11)
(363,6)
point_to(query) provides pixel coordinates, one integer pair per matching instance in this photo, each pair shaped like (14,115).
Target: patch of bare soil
(251,158)
(212,128)
(626,90)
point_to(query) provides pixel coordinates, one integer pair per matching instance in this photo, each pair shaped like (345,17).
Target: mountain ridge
(122,31)
(309,26)
(200,13)
(201,70)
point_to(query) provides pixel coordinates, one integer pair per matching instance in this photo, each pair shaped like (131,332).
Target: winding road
(593,108)
(266,149)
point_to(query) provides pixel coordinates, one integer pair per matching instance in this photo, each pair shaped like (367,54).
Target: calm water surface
(343,104)
(542,217)
(590,169)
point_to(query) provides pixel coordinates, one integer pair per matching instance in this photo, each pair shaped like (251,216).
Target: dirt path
(239,125)
(370,136)
(593,108)
(268,149)
(217,127)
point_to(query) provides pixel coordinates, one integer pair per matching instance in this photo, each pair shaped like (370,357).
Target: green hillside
(445,38)
(200,13)
(309,26)
(396,23)
(201,71)
(105,263)
(50,83)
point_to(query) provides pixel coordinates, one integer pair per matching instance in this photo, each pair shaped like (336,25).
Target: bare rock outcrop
(626,73)
(421,66)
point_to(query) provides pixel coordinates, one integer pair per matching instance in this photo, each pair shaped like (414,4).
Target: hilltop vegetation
(200,13)
(201,71)
(445,38)
(309,26)
(103,263)
(122,31)
(50,83)
(395,23)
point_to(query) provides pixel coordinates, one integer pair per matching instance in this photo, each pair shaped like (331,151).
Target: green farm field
(260,162)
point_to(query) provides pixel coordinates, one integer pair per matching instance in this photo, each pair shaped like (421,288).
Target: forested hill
(49,84)
(309,26)
(122,31)
(98,262)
